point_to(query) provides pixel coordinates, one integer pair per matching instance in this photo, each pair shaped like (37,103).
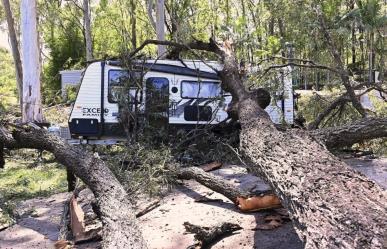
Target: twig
(205,236)
(147,209)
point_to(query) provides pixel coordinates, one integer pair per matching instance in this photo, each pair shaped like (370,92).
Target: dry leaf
(257,203)
(206,199)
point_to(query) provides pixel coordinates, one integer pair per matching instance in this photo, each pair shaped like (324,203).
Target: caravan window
(203,89)
(117,82)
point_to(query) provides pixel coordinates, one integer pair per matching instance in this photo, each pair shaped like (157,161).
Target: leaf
(257,203)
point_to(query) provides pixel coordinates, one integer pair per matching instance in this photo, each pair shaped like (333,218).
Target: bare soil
(163,227)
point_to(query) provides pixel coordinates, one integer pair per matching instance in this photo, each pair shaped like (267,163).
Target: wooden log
(244,200)
(206,236)
(356,132)
(213,182)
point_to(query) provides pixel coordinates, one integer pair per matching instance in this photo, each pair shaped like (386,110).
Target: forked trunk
(15,49)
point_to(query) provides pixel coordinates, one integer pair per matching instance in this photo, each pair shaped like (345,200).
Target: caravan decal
(93,111)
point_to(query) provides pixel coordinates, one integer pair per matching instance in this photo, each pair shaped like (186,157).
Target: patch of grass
(19,182)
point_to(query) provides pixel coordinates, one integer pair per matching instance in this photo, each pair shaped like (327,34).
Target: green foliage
(18,181)
(8,90)
(66,46)
(142,169)
(312,103)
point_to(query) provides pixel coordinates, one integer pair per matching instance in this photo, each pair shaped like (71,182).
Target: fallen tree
(120,229)
(245,201)
(205,236)
(330,204)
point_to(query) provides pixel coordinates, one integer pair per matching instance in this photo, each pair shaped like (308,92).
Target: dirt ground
(39,224)
(163,227)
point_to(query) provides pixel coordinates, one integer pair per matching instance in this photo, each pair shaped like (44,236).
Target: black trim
(172,69)
(197,113)
(102,99)
(111,101)
(84,126)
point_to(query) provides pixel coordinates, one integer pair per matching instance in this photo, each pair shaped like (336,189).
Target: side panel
(283,110)
(179,105)
(87,105)
(288,97)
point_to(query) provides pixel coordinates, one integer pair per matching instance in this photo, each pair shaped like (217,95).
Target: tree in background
(8,89)
(87,30)
(32,107)
(63,35)
(15,49)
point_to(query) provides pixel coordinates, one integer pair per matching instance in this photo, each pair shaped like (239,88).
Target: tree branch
(347,135)
(120,229)
(178,47)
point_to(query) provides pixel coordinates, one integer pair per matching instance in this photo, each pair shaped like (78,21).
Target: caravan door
(157,101)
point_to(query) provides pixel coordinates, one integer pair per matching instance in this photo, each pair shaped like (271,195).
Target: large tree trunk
(160,17)
(31,109)
(15,50)
(120,229)
(331,205)
(87,27)
(356,132)
(133,24)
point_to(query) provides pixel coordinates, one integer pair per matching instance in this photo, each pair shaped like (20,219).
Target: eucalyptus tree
(32,106)
(15,49)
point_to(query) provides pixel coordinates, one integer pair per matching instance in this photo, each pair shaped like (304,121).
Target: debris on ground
(39,224)
(211,166)
(257,203)
(204,236)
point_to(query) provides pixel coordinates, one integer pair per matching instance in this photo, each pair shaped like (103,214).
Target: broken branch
(205,236)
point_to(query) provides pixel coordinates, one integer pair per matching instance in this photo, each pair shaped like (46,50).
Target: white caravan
(186,93)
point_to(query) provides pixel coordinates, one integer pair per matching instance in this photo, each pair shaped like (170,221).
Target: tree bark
(133,23)
(206,236)
(31,109)
(87,27)
(71,180)
(331,205)
(120,229)
(347,135)
(160,16)
(15,50)
(213,182)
